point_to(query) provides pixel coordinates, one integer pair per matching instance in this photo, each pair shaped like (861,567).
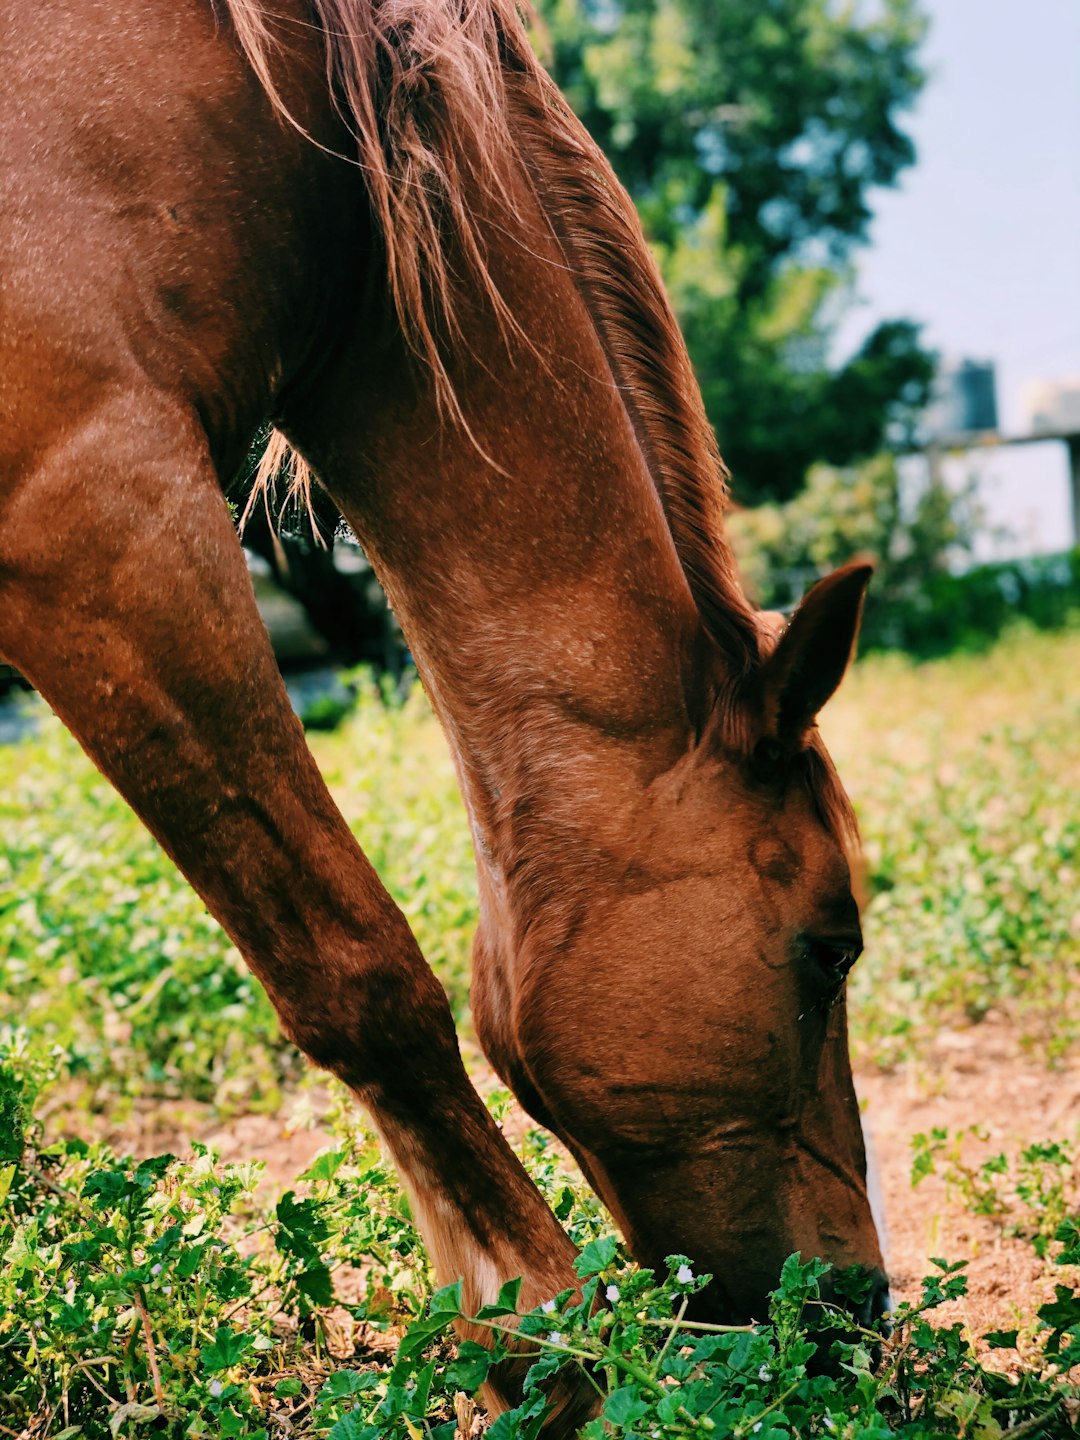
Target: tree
(750,133)
(913,528)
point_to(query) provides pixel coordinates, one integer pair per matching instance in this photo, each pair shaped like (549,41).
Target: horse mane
(433,92)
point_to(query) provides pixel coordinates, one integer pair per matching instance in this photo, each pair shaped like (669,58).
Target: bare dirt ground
(978,1076)
(973,1077)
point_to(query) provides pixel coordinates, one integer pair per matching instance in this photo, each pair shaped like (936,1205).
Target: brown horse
(377,222)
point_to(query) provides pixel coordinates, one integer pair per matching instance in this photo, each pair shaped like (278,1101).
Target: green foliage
(390,772)
(970,825)
(171,1296)
(1036,1196)
(944,613)
(326,712)
(914,534)
(750,137)
(841,514)
(965,774)
(169,1291)
(106,953)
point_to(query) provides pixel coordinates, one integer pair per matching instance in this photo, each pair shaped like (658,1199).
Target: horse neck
(526,553)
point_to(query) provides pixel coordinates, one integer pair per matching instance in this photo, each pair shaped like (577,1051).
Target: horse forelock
(830,799)
(435,94)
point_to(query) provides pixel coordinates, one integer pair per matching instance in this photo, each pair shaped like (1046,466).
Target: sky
(981,240)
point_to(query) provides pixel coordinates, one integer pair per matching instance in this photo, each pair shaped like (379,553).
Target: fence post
(1072,444)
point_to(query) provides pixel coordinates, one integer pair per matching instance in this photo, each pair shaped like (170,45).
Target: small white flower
(166,1289)
(764,1373)
(548,1306)
(612,1293)
(684,1275)
(156,1269)
(215,1387)
(757,1427)
(555,1338)
(829,1423)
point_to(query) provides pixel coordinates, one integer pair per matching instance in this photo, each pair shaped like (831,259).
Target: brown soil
(972,1077)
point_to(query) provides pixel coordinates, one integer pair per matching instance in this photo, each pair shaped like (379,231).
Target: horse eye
(834,955)
(768,761)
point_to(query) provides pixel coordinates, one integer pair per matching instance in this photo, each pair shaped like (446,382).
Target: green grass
(261,1313)
(169,1297)
(966,775)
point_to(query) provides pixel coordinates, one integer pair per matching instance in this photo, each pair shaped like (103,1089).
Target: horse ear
(813,653)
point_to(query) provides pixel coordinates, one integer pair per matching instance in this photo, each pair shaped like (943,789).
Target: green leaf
(107,1187)
(343,1383)
(421,1333)
(509,1295)
(317,1285)
(1001,1339)
(448,1300)
(148,1172)
(72,1317)
(524,1423)
(550,1362)
(564,1204)
(1068,1233)
(227,1349)
(1062,1314)
(505,1304)
(798,1280)
(325,1166)
(469,1371)
(668,1408)
(353,1427)
(417,1406)
(596,1256)
(190,1260)
(136,1414)
(303,1222)
(625,1405)
(170,1239)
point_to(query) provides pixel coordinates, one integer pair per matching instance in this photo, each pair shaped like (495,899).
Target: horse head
(687,1036)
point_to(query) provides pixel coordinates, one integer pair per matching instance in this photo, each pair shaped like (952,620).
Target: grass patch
(164,1297)
(965,774)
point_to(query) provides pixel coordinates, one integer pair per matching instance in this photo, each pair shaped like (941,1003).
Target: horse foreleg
(125,599)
